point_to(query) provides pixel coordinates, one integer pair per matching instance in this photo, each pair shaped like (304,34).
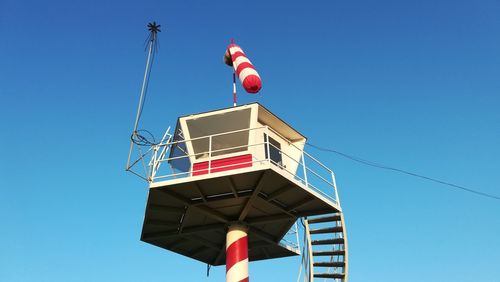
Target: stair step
(329,253)
(326,230)
(328,241)
(330,264)
(335,217)
(330,275)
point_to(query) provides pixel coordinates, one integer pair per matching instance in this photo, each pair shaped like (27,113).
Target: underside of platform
(191,216)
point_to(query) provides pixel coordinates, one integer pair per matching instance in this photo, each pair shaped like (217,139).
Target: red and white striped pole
(234,89)
(237,254)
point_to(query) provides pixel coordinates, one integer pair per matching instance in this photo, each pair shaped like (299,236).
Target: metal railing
(291,239)
(184,157)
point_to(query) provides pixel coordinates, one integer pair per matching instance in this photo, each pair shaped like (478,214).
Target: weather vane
(153,29)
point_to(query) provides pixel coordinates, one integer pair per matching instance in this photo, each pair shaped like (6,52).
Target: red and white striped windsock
(237,254)
(249,77)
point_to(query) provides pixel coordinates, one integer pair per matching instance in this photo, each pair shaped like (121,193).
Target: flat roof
(264,115)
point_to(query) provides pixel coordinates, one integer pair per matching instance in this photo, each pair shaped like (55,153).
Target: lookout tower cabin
(240,165)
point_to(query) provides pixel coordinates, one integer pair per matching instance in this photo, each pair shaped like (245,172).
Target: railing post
(304,167)
(154,162)
(209,154)
(309,250)
(297,235)
(335,188)
(268,152)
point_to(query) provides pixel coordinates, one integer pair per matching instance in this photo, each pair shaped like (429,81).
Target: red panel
(223,164)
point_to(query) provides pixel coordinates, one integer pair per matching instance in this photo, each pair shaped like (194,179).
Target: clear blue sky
(410,84)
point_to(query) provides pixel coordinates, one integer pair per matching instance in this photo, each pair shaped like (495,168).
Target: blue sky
(410,84)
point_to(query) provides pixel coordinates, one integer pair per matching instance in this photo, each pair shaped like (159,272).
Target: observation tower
(228,186)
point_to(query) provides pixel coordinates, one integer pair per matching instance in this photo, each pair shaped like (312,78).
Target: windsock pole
(237,254)
(234,89)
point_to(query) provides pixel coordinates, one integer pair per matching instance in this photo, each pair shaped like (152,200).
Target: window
(274,153)
(179,159)
(222,144)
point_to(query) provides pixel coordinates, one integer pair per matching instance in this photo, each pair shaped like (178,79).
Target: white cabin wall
(294,152)
(187,136)
(258,148)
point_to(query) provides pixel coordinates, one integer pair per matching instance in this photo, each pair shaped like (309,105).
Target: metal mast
(152,46)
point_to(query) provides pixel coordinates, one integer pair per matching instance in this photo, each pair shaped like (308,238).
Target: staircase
(327,248)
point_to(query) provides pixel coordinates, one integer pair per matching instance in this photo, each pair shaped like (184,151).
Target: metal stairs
(326,242)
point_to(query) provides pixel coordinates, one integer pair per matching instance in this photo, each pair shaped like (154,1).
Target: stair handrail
(307,235)
(346,254)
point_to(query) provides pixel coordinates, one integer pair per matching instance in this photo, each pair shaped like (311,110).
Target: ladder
(326,243)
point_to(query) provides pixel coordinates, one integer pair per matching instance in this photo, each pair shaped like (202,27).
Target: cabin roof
(264,116)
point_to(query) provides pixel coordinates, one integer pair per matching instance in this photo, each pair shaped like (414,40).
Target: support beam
(263,235)
(176,196)
(260,244)
(204,241)
(162,222)
(219,257)
(283,231)
(183,219)
(273,203)
(300,204)
(198,188)
(211,199)
(202,209)
(176,243)
(185,231)
(232,186)
(160,235)
(212,213)
(279,192)
(268,219)
(198,250)
(255,194)
(166,209)
(266,253)
(313,213)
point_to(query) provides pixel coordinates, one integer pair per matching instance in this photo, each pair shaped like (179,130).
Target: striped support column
(237,254)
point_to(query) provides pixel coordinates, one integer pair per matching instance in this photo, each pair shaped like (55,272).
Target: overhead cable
(381,166)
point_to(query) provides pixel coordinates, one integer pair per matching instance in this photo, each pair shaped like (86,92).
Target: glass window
(179,157)
(220,124)
(274,152)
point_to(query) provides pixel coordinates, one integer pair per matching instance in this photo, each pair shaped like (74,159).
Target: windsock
(249,77)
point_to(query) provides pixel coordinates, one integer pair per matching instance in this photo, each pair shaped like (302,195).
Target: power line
(381,166)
